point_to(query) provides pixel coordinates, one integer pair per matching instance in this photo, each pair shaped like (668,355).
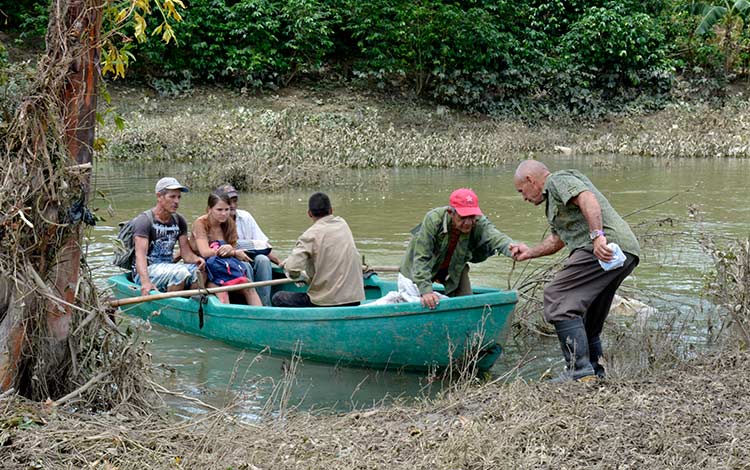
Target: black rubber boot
(595,353)
(575,348)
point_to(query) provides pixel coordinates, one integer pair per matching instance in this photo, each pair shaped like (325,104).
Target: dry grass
(274,143)
(729,286)
(305,137)
(680,131)
(692,416)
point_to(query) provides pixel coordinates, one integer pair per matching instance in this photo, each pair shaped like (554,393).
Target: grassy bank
(657,409)
(303,136)
(693,416)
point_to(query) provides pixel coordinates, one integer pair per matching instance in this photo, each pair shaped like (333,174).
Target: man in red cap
(445,242)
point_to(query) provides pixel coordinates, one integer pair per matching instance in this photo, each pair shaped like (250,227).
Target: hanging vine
(55,334)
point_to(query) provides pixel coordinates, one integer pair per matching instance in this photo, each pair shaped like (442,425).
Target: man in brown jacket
(327,256)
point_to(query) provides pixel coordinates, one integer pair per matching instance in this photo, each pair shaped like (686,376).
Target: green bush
(26,17)
(252,42)
(615,45)
(528,57)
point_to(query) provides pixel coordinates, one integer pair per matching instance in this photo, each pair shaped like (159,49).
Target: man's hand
(430,300)
(520,251)
(200,263)
(601,250)
(275,259)
(147,287)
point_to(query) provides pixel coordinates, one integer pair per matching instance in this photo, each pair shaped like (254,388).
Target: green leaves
(712,15)
(480,54)
(729,19)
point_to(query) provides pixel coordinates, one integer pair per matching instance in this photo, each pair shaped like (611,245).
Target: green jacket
(429,246)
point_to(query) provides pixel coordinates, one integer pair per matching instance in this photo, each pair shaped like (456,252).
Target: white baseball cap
(170,183)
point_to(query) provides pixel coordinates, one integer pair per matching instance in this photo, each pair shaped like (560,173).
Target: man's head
(529,180)
(464,209)
(319,206)
(231,193)
(168,194)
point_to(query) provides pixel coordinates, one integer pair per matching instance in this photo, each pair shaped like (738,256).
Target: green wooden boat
(393,336)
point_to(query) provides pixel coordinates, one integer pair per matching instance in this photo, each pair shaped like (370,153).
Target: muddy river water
(382,206)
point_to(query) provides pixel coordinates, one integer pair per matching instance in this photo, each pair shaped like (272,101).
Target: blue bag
(225,271)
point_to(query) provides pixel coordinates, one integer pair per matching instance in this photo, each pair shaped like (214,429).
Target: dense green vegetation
(536,57)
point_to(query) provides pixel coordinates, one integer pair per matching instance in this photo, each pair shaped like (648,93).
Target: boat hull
(393,336)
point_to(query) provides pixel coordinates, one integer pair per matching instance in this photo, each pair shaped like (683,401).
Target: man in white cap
(253,241)
(444,243)
(155,233)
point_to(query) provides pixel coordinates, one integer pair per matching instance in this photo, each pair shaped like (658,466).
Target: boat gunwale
(216,309)
(461,311)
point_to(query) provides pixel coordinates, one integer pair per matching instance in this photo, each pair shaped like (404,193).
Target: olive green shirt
(567,221)
(429,246)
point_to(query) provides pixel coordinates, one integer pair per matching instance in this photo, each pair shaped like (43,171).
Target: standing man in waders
(603,252)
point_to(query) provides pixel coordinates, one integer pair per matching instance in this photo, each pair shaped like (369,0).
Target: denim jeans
(260,270)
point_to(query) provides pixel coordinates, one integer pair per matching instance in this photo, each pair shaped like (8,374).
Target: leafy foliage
(729,19)
(532,57)
(714,14)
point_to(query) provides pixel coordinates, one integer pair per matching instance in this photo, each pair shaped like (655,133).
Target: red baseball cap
(465,202)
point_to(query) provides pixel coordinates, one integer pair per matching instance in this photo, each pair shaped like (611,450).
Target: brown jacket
(327,254)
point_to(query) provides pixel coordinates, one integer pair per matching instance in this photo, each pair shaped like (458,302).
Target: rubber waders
(575,348)
(595,353)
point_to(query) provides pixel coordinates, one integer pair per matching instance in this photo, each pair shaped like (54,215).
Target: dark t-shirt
(161,237)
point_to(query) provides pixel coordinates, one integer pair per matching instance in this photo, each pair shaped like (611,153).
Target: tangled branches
(529,312)
(729,285)
(57,340)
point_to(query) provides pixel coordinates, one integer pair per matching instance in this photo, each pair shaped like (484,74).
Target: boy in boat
(578,298)
(327,256)
(155,233)
(444,243)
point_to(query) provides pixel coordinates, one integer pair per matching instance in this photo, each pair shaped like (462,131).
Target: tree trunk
(74,33)
(79,98)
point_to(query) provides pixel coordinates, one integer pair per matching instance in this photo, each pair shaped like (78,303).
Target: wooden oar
(380,269)
(214,290)
(191,292)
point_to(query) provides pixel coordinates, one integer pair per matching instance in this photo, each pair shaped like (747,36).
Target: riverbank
(304,136)
(691,416)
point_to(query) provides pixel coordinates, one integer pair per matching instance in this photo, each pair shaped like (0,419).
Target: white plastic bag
(618,258)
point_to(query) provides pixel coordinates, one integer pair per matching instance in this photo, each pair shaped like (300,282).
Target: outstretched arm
(499,241)
(551,244)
